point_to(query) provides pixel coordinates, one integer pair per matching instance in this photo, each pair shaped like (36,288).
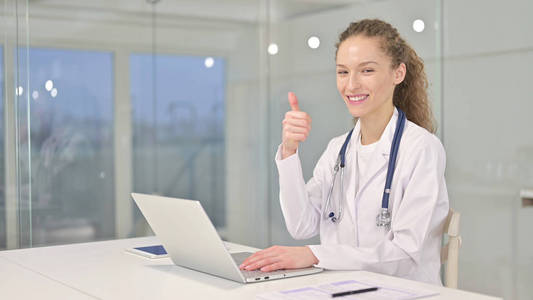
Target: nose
(353,82)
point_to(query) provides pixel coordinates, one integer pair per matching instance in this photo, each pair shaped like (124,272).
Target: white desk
(17,282)
(102,270)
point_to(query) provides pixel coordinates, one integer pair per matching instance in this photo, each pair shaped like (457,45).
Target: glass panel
(489,142)
(2,170)
(16,214)
(71,145)
(178,131)
(22,151)
(200,132)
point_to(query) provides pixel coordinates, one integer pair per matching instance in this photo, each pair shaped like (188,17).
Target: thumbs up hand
(296,127)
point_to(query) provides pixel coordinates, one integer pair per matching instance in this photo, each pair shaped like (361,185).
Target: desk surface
(18,282)
(103,270)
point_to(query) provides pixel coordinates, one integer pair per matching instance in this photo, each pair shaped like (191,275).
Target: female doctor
(381,79)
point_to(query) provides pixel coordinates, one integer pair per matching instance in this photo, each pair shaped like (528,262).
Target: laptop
(193,242)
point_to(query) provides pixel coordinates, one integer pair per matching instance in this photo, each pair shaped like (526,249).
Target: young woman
(381,79)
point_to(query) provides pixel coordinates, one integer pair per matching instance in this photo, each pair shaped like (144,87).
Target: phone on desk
(155,251)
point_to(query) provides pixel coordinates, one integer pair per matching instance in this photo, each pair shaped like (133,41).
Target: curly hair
(411,94)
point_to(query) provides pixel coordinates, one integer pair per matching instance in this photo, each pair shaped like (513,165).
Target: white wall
(487,134)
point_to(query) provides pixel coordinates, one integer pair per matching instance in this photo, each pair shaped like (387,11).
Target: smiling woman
(386,53)
(381,80)
(366,81)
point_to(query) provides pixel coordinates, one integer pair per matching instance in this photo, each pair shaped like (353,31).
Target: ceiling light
(209,62)
(313,42)
(49,84)
(273,49)
(418,25)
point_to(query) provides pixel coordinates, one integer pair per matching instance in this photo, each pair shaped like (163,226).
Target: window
(178,129)
(71,125)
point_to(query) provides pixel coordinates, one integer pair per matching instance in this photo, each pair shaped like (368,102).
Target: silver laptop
(193,242)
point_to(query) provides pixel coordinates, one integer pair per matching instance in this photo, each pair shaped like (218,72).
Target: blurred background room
(184,98)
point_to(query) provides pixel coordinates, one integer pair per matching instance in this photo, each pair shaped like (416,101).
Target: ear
(399,74)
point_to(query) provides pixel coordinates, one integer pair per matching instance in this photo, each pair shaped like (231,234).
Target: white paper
(325,291)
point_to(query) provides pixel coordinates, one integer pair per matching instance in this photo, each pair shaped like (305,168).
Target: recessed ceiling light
(48,85)
(418,25)
(209,62)
(313,42)
(273,49)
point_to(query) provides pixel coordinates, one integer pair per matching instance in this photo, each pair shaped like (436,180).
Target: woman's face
(365,78)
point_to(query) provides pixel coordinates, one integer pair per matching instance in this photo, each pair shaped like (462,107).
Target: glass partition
(71,133)
(15,207)
(178,129)
(153,98)
(2,168)
(487,135)
(194,75)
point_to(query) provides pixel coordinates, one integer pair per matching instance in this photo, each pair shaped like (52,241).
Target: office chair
(449,255)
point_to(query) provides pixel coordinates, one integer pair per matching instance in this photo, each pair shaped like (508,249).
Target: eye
(342,72)
(368,70)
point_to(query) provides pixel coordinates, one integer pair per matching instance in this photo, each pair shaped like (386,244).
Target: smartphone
(155,251)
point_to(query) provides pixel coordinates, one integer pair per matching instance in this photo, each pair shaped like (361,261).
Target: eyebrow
(361,64)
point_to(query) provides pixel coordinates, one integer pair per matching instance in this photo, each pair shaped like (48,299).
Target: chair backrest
(449,254)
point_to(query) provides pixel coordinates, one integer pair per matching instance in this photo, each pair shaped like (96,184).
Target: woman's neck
(373,125)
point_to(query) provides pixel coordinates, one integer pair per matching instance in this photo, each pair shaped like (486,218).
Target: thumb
(293,101)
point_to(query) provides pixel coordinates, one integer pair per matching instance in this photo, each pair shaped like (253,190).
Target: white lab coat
(418,200)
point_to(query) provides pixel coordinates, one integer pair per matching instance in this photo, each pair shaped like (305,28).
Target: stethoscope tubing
(342,152)
(392,159)
(341,160)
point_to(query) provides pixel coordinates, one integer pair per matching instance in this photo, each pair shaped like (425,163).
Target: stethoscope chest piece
(383,219)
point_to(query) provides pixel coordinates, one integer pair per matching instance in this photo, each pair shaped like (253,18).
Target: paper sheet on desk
(324,291)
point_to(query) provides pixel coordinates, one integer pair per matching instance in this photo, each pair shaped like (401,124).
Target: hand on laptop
(280,257)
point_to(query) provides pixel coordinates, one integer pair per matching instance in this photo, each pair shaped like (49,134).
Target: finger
(251,259)
(293,101)
(296,122)
(300,137)
(296,129)
(272,267)
(256,257)
(261,263)
(291,114)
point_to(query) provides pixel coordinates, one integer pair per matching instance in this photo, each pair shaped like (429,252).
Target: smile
(357,98)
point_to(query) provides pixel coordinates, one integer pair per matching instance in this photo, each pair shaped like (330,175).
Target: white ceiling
(220,10)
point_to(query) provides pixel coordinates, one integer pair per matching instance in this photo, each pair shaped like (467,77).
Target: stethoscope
(383,219)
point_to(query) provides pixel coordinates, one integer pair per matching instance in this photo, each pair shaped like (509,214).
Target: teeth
(358,98)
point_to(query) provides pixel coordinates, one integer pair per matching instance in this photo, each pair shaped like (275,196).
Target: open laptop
(193,242)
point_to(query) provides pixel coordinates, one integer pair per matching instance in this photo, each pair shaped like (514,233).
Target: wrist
(312,256)
(286,153)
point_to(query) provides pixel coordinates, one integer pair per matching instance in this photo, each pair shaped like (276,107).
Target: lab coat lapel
(350,192)
(380,158)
